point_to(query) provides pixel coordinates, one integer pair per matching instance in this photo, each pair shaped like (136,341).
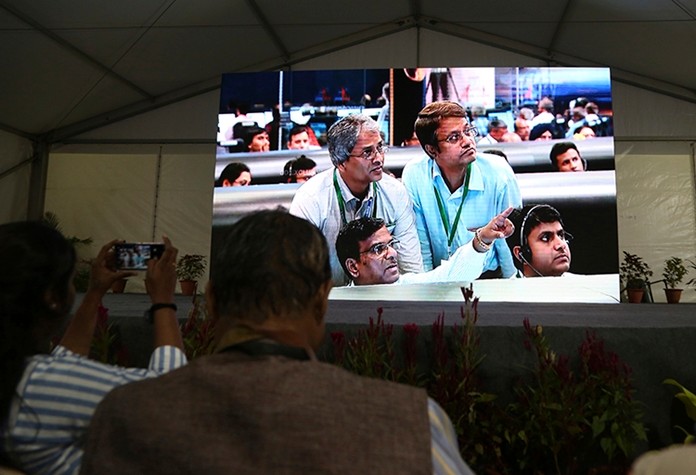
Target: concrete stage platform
(656,340)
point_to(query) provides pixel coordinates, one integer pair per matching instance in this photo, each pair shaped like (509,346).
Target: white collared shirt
(316,201)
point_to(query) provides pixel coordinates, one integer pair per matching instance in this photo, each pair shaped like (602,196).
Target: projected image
(525,129)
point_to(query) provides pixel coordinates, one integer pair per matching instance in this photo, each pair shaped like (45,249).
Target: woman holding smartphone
(47,397)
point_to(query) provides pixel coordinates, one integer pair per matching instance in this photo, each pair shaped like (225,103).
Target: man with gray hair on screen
(357,186)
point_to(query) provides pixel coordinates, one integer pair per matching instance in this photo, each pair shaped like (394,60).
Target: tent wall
(15,174)
(107,190)
(135,194)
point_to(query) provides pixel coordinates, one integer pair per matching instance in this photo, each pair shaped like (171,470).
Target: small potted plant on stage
(673,274)
(119,286)
(635,274)
(189,269)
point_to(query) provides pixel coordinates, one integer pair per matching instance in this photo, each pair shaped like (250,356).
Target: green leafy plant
(692,265)
(107,346)
(371,351)
(634,272)
(674,272)
(455,384)
(689,400)
(190,267)
(565,417)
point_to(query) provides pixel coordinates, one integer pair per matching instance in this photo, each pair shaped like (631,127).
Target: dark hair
(293,166)
(495,151)
(559,149)
(429,120)
(539,129)
(270,262)
(298,129)
(350,235)
(241,107)
(231,172)
(36,259)
(525,220)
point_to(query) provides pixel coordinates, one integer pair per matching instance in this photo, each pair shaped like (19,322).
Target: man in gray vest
(263,404)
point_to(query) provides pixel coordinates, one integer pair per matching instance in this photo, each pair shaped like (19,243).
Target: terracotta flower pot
(188,287)
(119,286)
(635,295)
(673,295)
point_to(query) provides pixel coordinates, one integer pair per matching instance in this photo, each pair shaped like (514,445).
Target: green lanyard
(342,203)
(441,205)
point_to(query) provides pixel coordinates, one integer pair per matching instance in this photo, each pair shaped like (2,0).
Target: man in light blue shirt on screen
(455,191)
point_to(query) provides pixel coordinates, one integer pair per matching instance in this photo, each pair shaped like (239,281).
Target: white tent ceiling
(70,66)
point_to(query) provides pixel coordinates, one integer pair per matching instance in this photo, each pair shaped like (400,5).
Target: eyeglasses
(370,152)
(379,250)
(456,137)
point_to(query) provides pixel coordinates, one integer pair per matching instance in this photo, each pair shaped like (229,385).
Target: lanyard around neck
(443,212)
(342,202)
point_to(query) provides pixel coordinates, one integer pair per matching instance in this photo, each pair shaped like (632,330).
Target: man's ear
(430,150)
(51,300)
(352,266)
(516,252)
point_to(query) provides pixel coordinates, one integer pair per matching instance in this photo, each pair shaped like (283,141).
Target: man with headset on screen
(565,157)
(542,249)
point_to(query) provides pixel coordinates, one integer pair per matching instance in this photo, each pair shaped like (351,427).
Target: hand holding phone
(134,255)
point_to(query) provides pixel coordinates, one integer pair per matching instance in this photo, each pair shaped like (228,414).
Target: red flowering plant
(456,386)
(197,331)
(567,418)
(372,352)
(410,373)
(572,421)
(107,346)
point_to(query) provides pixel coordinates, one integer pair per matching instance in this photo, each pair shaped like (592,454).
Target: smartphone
(134,255)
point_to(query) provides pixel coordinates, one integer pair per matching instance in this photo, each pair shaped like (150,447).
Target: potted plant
(119,286)
(635,274)
(673,274)
(189,269)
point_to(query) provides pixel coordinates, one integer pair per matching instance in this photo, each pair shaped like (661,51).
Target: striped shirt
(443,443)
(55,400)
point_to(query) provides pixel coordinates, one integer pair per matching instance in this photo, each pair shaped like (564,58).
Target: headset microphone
(530,265)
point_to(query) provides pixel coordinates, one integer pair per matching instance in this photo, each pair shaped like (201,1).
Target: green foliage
(692,265)
(634,272)
(689,400)
(107,346)
(190,267)
(674,272)
(569,418)
(566,418)
(52,220)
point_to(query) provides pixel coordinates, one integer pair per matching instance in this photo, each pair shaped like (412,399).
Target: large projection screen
(279,101)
